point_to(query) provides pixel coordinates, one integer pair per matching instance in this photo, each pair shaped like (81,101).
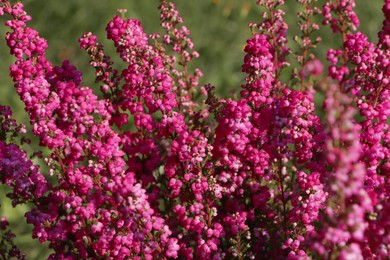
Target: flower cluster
(97,197)
(158,167)
(18,173)
(8,248)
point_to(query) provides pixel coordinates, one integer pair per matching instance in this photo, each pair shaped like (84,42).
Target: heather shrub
(149,164)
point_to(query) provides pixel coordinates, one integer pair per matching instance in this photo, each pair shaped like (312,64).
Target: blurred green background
(219,30)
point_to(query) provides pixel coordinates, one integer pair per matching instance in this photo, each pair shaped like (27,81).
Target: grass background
(219,30)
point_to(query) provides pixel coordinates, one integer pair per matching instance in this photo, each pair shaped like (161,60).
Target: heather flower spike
(159,167)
